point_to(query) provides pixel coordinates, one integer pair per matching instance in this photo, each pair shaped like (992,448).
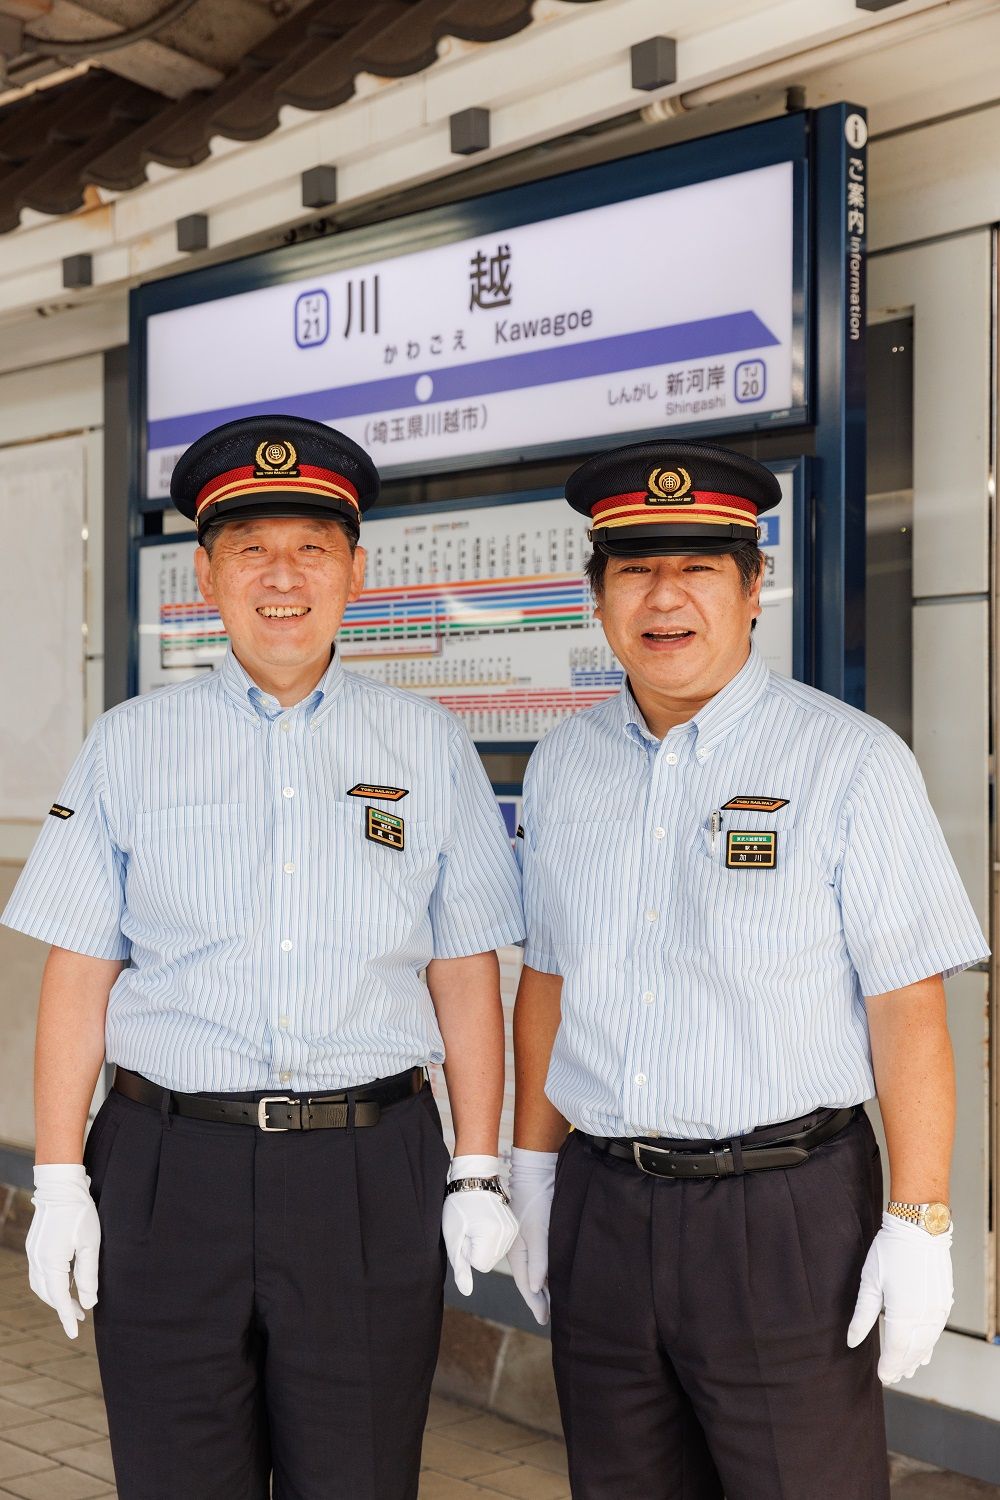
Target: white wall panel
(951,731)
(51,399)
(948,287)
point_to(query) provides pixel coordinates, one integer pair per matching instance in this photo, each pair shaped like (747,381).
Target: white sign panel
(643,314)
(485,610)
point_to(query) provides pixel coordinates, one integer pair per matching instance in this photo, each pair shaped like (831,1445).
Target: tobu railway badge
(751,850)
(383,793)
(384,828)
(58,811)
(755,804)
(669,487)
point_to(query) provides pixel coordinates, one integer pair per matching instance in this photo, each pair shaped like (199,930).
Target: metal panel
(950,739)
(948,286)
(951,730)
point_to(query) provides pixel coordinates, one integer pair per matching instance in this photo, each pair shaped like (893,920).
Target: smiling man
(740,908)
(243,880)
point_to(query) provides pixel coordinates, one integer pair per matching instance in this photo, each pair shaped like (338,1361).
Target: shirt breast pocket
(748,879)
(384,862)
(193,871)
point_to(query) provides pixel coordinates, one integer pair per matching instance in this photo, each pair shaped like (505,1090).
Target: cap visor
(278,504)
(661,541)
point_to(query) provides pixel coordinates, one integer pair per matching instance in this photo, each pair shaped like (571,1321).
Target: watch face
(937,1218)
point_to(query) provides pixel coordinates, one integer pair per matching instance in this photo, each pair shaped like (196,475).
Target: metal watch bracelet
(477,1185)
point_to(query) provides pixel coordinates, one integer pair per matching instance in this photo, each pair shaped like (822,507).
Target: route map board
(482,608)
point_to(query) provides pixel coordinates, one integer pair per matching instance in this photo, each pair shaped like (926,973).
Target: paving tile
(446,1487)
(494,1433)
(92,1458)
(75,1369)
(58,1484)
(37,1390)
(33,1314)
(10,1373)
(932,1484)
(53,1331)
(86,1411)
(460,1460)
(15,1461)
(546,1454)
(27,1350)
(525,1482)
(48,1434)
(445,1413)
(10,1335)
(12,1415)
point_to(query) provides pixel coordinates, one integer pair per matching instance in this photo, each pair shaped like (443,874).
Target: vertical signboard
(840,212)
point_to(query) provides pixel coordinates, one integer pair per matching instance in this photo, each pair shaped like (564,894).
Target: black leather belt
(274,1112)
(772,1146)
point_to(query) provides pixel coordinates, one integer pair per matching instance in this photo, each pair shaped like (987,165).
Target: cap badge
(669,487)
(276,458)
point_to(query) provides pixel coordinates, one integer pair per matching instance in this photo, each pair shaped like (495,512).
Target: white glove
(477,1225)
(65,1228)
(910,1271)
(532,1184)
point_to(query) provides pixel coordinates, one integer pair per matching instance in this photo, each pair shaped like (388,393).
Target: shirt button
(671,759)
(286,945)
(648,997)
(289,869)
(284,1077)
(703,755)
(640,1079)
(652,914)
(285,726)
(659,833)
(288,791)
(283,1022)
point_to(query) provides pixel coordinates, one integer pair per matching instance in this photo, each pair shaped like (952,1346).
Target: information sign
(645,314)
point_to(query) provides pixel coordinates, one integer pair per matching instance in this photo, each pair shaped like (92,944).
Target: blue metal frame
(774,141)
(829,370)
(838,553)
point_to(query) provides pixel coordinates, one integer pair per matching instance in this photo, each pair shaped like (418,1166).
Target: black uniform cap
(662,497)
(274,466)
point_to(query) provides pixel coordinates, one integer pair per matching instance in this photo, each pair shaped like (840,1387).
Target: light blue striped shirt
(214,842)
(701,1000)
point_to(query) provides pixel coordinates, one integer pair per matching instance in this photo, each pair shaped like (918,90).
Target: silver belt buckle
(638,1146)
(262,1113)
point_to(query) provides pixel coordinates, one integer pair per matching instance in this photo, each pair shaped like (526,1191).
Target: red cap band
(705,506)
(307,480)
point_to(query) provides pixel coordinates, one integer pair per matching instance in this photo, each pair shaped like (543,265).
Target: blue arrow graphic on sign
(707,337)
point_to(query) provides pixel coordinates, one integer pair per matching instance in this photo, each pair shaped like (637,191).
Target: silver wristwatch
(478,1185)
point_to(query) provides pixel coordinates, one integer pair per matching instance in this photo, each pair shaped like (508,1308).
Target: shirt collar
(719,715)
(254,702)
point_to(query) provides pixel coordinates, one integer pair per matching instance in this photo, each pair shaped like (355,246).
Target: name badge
(384,828)
(747,850)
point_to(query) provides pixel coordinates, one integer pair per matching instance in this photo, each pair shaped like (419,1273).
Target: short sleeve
(539,947)
(476,905)
(905,911)
(71,892)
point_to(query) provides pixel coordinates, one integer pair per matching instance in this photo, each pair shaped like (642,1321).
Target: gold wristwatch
(934,1217)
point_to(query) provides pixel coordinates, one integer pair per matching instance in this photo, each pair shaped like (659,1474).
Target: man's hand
(909,1271)
(532,1184)
(65,1229)
(477,1225)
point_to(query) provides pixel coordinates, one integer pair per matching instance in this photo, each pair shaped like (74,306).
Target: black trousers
(268,1302)
(699,1329)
